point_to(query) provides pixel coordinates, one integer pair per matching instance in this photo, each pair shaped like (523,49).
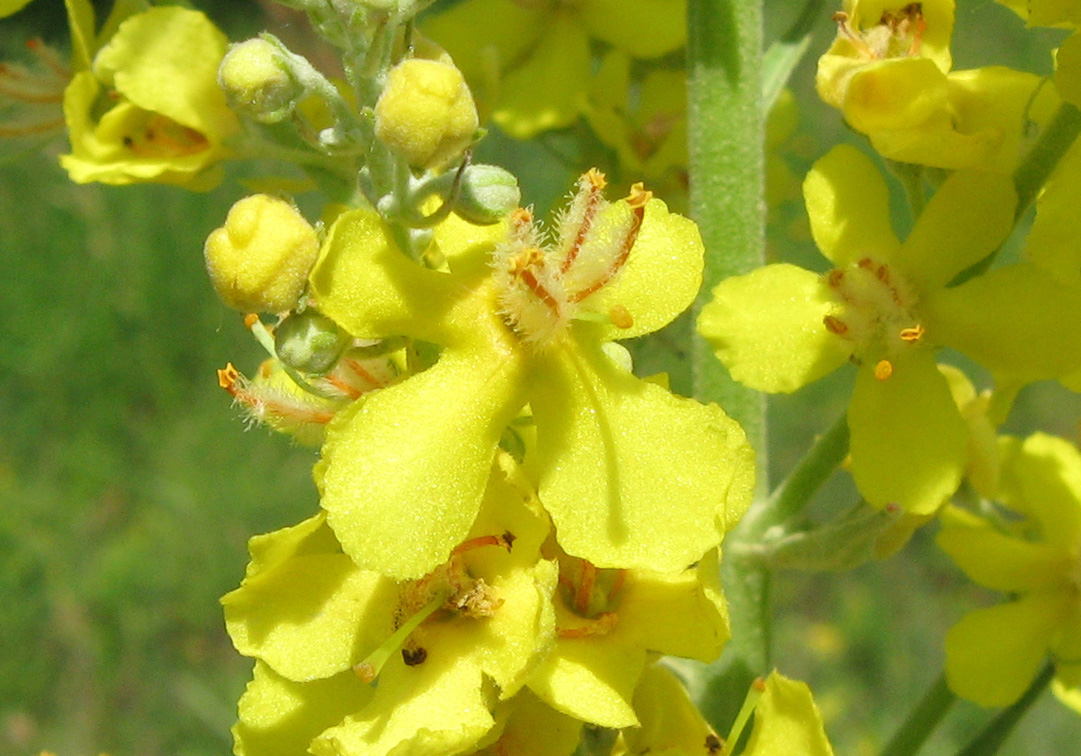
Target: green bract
(312,620)
(886,306)
(993,654)
(631,475)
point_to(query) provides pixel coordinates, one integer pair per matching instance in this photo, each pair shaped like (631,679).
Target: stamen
(593,182)
(350,391)
(522,268)
(845,29)
(602,624)
(621,317)
(36,97)
(31,128)
(883,370)
(637,200)
(835,325)
(369,668)
(357,368)
(48,57)
(913,334)
(504,540)
(583,596)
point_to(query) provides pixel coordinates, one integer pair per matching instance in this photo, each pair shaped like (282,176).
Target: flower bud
(260,259)
(487,193)
(258,82)
(426,112)
(310,342)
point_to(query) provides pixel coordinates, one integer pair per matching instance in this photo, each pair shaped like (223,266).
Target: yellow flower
(888,72)
(146,106)
(528,61)
(993,654)
(632,475)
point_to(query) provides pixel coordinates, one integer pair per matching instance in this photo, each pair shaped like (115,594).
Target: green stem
(922,720)
(991,737)
(789,499)
(1058,136)
(725,143)
(726,137)
(1041,160)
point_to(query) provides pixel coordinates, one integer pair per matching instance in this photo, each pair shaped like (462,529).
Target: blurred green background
(128,486)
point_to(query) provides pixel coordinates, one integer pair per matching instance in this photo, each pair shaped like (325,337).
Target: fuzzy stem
(922,720)
(726,138)
(725,143)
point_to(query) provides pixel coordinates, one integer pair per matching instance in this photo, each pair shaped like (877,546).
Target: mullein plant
(514,528)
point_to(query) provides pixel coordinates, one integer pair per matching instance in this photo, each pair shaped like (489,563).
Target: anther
(883,370)
(835,325)
(713,744)
(913,334)
(227,378)
(621,317)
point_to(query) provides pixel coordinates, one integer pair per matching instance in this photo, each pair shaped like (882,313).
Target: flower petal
(670,722)
(165,60)
(655,28)
(849,207)
(369,287)
(908,439)
(787,721)
(1018,321)
(1046,472)
(969,216)
(767,328)
(592,682)
(431,709)
(548,90)
(1068,70)
(312,617)
(279,717)
(405,469)
(662,276)
(992,654)
(994,559)
(632,475)
(895,94)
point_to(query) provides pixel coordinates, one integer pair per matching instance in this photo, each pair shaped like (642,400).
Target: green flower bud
(259,260)
(258,81)
(426,112)
(310,342)
(487,193)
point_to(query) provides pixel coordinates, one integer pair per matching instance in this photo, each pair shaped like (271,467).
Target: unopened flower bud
(487,193)
(258,82)
(310,342)
(260,259)
(426,112)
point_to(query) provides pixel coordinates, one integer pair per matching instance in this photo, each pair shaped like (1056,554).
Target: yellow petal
(849,208)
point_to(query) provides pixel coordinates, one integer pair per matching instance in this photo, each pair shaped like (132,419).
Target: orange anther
(883,370)
(596,179)
(835,325)
(620,316)
(834,277)
(759,684)
(913,334)
(250,320)
(227,377)
(639,196)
